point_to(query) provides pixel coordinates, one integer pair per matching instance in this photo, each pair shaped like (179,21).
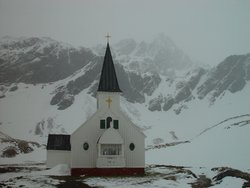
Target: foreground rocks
(230,172)
(156,176)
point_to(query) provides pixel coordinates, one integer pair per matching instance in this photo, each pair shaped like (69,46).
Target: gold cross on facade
(108,36)
(109,101)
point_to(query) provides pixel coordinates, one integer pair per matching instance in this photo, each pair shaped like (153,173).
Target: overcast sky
(207,30)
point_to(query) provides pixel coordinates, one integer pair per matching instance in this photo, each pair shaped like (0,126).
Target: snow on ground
(135,182)
(156,176)
(59,170)
(216,148)
(230,182)
(23,179)
(37,156)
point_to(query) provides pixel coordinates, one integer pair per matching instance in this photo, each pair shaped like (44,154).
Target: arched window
(105,124)
(108,121)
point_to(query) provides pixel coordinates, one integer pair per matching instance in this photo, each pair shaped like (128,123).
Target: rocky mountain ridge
(40,60)
(231,75)
(142,68)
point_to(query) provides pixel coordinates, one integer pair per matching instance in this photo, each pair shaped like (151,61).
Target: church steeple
(108,80)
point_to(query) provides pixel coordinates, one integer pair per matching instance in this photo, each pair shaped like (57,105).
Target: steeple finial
(108,36)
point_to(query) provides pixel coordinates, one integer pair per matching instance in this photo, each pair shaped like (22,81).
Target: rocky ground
(36,175)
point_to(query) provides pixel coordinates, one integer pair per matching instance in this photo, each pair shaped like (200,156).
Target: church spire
(108,80)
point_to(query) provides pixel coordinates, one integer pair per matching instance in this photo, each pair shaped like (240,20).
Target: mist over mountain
(159,55)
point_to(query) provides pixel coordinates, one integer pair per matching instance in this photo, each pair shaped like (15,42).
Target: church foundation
(107,171)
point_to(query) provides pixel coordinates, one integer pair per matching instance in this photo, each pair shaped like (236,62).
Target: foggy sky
(207,30)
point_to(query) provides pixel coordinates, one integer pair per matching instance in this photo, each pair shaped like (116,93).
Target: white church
(107,144)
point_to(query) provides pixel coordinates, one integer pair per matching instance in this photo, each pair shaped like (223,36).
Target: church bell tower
(108,93)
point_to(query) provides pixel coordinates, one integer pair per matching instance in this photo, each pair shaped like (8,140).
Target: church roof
(58,142)
(108,80)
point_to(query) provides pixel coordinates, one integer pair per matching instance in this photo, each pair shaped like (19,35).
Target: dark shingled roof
(58,142)
(108,80)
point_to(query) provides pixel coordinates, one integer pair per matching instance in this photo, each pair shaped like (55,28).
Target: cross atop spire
(108,36)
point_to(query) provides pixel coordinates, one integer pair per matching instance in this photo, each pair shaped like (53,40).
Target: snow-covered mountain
(39,60)
(49,87)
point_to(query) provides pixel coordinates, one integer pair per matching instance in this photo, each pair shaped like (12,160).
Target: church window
(116,124)
(111,149)
(102,124)
(109,120)
(106,124)
(132,146)
(85,146)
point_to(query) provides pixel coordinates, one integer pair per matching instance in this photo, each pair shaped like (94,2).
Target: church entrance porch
(110,150)
(110,155)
